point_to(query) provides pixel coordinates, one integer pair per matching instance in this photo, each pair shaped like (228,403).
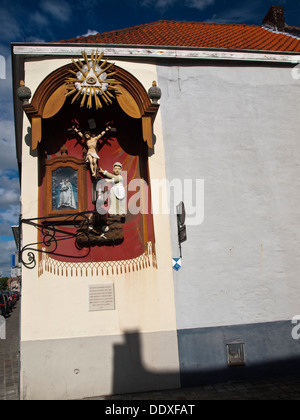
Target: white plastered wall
(241,264)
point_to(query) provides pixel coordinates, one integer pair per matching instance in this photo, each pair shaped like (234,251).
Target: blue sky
(51,20)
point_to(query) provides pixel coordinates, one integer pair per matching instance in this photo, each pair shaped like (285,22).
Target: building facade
(103,309)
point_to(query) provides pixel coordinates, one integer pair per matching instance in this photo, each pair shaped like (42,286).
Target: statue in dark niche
(105,226)
(91,141)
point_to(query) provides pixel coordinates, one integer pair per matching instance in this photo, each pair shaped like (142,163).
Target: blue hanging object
(176,263)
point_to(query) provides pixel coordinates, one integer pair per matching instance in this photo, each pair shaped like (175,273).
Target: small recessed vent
(236,354)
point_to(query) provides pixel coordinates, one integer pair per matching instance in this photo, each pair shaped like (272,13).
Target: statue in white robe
(117,191)
(66,197)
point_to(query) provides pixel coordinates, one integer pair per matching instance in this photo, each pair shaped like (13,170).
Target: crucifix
(91,141)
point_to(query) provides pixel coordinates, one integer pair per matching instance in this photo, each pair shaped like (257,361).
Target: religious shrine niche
(65,182)
(91,150)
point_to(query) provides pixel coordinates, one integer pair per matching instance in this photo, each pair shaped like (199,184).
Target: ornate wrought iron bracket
(52,230)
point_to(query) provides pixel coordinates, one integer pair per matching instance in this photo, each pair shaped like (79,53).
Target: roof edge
(115,50)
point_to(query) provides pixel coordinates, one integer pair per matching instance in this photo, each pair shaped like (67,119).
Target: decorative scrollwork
(52,233)
(31,259)
(49,237)
(78,224)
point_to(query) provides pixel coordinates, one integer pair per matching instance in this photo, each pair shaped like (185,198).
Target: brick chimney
(275,18)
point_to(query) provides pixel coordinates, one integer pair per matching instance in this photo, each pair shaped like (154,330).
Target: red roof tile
(196,34)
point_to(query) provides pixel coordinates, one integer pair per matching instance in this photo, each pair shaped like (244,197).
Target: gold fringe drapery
(101,268)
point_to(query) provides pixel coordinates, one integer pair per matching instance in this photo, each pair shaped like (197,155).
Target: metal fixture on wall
(52,232)
(182,237)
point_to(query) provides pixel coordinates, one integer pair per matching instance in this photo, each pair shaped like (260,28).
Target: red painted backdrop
(126,146)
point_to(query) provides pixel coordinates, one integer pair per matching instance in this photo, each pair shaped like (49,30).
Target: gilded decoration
(92,82)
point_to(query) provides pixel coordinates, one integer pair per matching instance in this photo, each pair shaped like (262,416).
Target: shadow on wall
(130,374)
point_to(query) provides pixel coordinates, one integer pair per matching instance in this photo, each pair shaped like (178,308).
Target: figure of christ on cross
(92,143)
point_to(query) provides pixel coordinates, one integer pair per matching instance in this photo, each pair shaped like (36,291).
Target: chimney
(275,18)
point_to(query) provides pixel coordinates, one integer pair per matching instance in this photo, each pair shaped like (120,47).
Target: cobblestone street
(281,388)
(9,358)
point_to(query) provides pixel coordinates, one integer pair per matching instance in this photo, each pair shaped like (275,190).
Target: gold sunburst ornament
(92,80)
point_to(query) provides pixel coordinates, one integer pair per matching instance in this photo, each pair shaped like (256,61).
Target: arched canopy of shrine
(50,97)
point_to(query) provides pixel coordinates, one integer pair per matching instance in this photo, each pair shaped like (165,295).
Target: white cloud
(8,197)
(89,32)
(199,4)
(9,201)
(6,247)
(11,214)
(59,10)
(164,4)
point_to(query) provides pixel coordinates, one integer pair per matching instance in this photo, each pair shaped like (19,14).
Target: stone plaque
(101,297)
